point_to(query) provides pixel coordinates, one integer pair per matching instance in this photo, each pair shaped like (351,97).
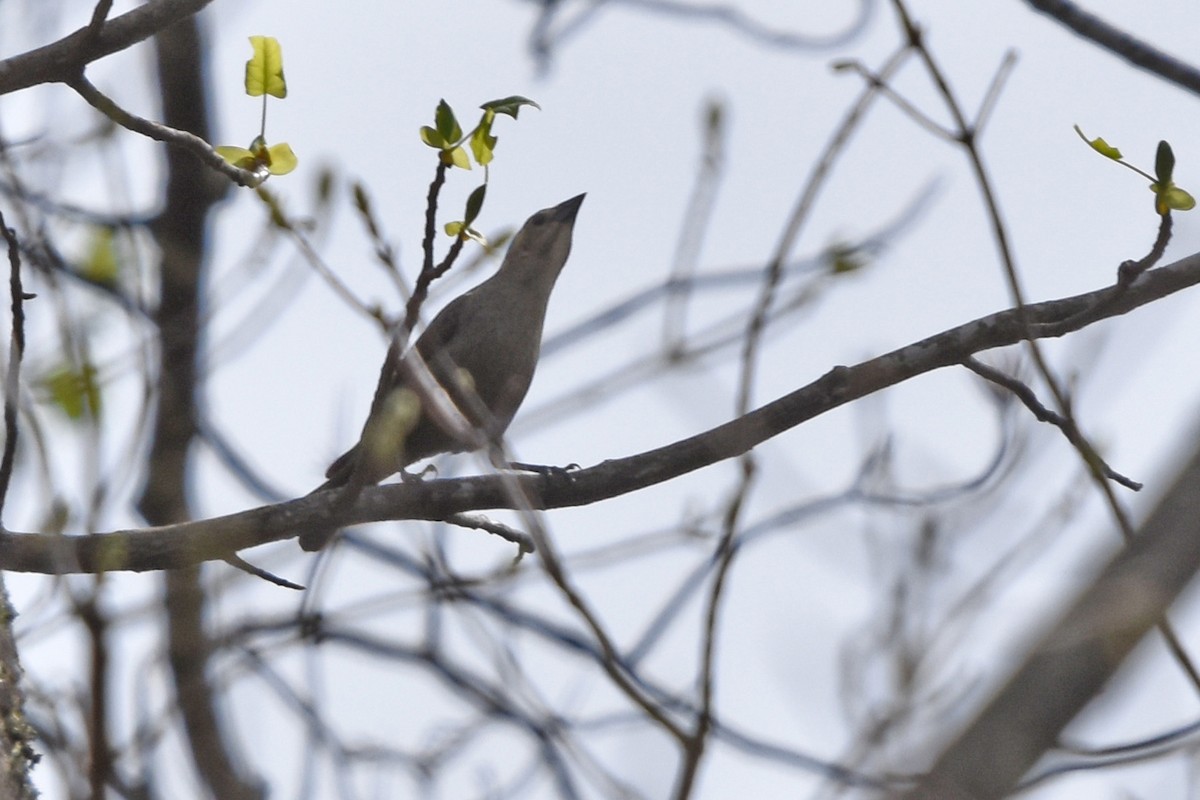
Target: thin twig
(237,562)
(773,273)
(696,221)
(878,81)
(992,95)
(413,308)
(384,252)
(99,17)
(162,133)
(727,547)
(1064,423)
(522,540)
(281,220)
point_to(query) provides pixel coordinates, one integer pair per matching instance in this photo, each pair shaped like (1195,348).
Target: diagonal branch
(1078,655)
(1120,43)
(61,60)
(190,543)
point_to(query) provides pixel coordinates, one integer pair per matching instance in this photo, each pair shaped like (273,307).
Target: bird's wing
(441,331)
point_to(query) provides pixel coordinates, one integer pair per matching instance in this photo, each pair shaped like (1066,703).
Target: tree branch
(66,58)
(172,546)
(194,144)
(1078,655)
(1120,43)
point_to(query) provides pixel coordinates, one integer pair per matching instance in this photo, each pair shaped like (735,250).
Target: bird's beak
(566,211)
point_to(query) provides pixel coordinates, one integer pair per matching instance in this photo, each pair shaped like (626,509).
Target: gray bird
(481,350)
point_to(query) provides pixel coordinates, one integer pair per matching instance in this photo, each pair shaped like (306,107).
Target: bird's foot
(545,469)
(428,473)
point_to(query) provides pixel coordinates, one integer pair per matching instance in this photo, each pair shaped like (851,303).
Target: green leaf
(1100,146)
(475,203)
(264,70)
(509,105)
(446,124)
(1164,164)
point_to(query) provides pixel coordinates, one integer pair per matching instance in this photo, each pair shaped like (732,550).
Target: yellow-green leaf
(1171,198)
(280,159)
(264,70)
(101,262)
(432,138)
(1100,146)
(483,144)
(74,391)
(456,158)
(240,157)
(1180,200)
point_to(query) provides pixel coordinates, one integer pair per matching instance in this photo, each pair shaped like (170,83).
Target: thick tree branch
(180,230)
(1078,655)
(17,736)
(191,543)
(66,58)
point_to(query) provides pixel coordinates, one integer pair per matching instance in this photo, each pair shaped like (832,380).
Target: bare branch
(66,58)
(1120,43)
(1066,424)
(162,133)
(1077,656)
(171,546)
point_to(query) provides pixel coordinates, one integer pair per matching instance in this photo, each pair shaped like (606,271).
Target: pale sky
(621,105)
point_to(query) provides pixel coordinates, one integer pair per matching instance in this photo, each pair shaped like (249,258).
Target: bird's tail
(339,474)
